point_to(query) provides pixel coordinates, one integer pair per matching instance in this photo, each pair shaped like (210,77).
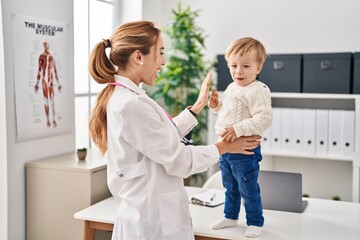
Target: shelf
(309,156)
(325,101)
(314,95)
(315,101)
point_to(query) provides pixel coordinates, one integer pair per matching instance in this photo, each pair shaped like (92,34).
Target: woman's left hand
(202,100)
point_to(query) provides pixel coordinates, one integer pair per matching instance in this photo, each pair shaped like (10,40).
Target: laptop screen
(281,191)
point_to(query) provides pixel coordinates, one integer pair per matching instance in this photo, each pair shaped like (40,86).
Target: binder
(335,132)
(276,130)
(298,129)
(348,132)
(266,140)
(286,129)
(322,124)
(309,131)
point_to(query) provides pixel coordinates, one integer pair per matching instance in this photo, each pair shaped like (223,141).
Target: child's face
(243,69)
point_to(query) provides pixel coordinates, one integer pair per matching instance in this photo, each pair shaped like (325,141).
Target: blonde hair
(246,45)
(127,38)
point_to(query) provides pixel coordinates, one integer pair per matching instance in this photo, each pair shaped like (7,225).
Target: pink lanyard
(121,85)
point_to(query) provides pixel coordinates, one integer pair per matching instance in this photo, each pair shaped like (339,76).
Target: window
(92,22)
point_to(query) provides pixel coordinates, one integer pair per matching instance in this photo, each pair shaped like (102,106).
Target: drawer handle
(325,65)
(278,65)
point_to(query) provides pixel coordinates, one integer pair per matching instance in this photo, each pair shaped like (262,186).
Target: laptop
(281,191)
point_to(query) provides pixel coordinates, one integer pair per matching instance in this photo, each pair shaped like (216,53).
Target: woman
(147,159)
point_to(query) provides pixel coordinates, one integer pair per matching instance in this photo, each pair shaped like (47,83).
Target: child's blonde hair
(246,45)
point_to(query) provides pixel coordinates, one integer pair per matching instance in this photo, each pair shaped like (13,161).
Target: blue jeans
(240,179)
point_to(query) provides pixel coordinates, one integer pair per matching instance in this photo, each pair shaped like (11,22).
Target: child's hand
(229,135)
(214,99)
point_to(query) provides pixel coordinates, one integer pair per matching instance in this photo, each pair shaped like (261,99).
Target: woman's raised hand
(203,95)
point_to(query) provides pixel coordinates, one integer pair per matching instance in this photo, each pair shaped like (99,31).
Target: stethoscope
(183,138)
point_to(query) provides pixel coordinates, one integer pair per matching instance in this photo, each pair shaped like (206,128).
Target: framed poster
(42,97)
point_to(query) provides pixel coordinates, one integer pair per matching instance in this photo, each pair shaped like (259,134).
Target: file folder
(348,132)
(322,125)
(266,140)
(298,129)
(335,132)
(276,130)
(286,129)
(309,131)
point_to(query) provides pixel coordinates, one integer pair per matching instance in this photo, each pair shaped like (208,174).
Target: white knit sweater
(247,109)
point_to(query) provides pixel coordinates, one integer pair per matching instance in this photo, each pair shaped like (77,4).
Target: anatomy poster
(41,57)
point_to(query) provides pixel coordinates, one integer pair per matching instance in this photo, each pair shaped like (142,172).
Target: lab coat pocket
(130,178)
(130,172)
(170,212)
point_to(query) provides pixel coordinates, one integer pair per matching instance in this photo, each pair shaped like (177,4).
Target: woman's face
(153,62)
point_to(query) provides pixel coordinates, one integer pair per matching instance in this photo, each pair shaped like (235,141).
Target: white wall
(19,153)
(3,148)
(129,10)
(154,10)
(284,27)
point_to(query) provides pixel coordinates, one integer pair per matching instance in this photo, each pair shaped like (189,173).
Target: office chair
(214,181)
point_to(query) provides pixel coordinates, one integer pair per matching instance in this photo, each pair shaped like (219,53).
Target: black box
(282,72)
(327,73)
(356,82)
(223,73)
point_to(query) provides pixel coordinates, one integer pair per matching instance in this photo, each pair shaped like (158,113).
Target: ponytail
(98,119)
(103,72)
(126,39)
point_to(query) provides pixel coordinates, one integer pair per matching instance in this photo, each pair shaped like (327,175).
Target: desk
(321,220)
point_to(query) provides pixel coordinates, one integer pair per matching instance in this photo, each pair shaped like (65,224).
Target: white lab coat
(147,164)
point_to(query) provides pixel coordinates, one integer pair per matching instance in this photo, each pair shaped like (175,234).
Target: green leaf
(179,81)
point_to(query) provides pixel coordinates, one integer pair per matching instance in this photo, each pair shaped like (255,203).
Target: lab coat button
(121,175)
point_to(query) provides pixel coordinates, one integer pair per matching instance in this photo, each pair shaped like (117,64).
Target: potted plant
(336,198)
(81,153)
(179,81)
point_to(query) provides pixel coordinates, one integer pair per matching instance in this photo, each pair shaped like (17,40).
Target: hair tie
(107,43)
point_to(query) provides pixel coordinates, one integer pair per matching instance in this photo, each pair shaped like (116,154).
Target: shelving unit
(325,101)
(315,101)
